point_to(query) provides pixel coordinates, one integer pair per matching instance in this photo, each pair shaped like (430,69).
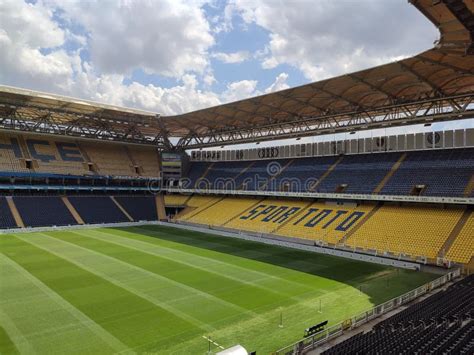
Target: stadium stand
(440,324)
(226,175)
(414,231)
(442,172)
(411,231)
(266,216)
(462,249)
(37,154)
(98,209)
(55,157)
(11,156)
(41,211)
(196,172)
(140,208)
(145,161)
(221,212)
(325,223)
(110,159)
(6,217)
(176,200)
(359,174)
(306,169)
(198,204)
(258,175)
(445,172)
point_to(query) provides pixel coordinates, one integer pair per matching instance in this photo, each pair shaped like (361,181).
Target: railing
(358,197)
(77,226)
(307,245)
(322,337)
(45,187)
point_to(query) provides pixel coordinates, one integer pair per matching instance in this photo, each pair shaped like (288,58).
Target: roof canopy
(435,85)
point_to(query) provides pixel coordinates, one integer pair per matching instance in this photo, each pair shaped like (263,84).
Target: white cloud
(330,38)
(244,89)
(240,90)
(25,29)
(278,84)
(30,43)
(231,58)
(166,37)
(174,38)
(168,101)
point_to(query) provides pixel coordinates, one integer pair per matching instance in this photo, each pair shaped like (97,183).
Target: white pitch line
(254,283)
(213,342)
(113,278)
(84,320)
(178,284)
(20,341)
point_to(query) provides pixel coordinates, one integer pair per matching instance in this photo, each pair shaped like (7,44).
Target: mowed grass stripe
(266,282)
(189,280)
(5,342)
(335,281)
(13,336)
(58,326)
(133,279)
(258,257)
(174,276)
(300,313)
(131,319)
(238,266)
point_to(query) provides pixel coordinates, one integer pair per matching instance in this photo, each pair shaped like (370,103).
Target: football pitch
(153,289)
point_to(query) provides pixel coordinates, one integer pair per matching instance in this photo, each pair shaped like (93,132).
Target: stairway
(160,207)
(326,173)
(360,224)
(243,171)
(392,171)
(469,187)
(292,218)
(15,213)
(130,157)
(454,233)
(258,201)
(121,209)
(72,210)
(277,174)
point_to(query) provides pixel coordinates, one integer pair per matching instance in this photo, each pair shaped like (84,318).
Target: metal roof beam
(440,109)
(446,65)
(374,87)
(422,78)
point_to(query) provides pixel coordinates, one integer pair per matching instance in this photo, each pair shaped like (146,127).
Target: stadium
(127,231)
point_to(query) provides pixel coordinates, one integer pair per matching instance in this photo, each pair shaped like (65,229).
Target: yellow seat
(413,231)
(221,212)
(462,250)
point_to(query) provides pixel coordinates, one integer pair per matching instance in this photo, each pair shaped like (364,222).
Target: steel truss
(422,111)
(152,131)
(65,123)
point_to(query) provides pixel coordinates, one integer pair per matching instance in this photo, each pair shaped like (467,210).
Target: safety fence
(318,339)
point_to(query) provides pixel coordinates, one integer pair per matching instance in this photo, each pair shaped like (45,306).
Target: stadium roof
(34,111)
(363,99)
(435,85)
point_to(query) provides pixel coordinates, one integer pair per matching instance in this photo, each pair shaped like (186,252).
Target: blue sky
(174,56)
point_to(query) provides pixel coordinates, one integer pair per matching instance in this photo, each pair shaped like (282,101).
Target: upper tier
(446,172)
(45,154)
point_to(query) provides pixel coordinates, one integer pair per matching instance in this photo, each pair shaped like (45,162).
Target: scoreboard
(172,165)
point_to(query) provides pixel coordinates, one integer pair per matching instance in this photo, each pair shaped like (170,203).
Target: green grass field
(160,290)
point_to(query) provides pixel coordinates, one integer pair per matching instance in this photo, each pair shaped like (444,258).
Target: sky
(173,56)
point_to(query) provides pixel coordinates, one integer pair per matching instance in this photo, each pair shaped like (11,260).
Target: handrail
(322,337)
(326,195)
